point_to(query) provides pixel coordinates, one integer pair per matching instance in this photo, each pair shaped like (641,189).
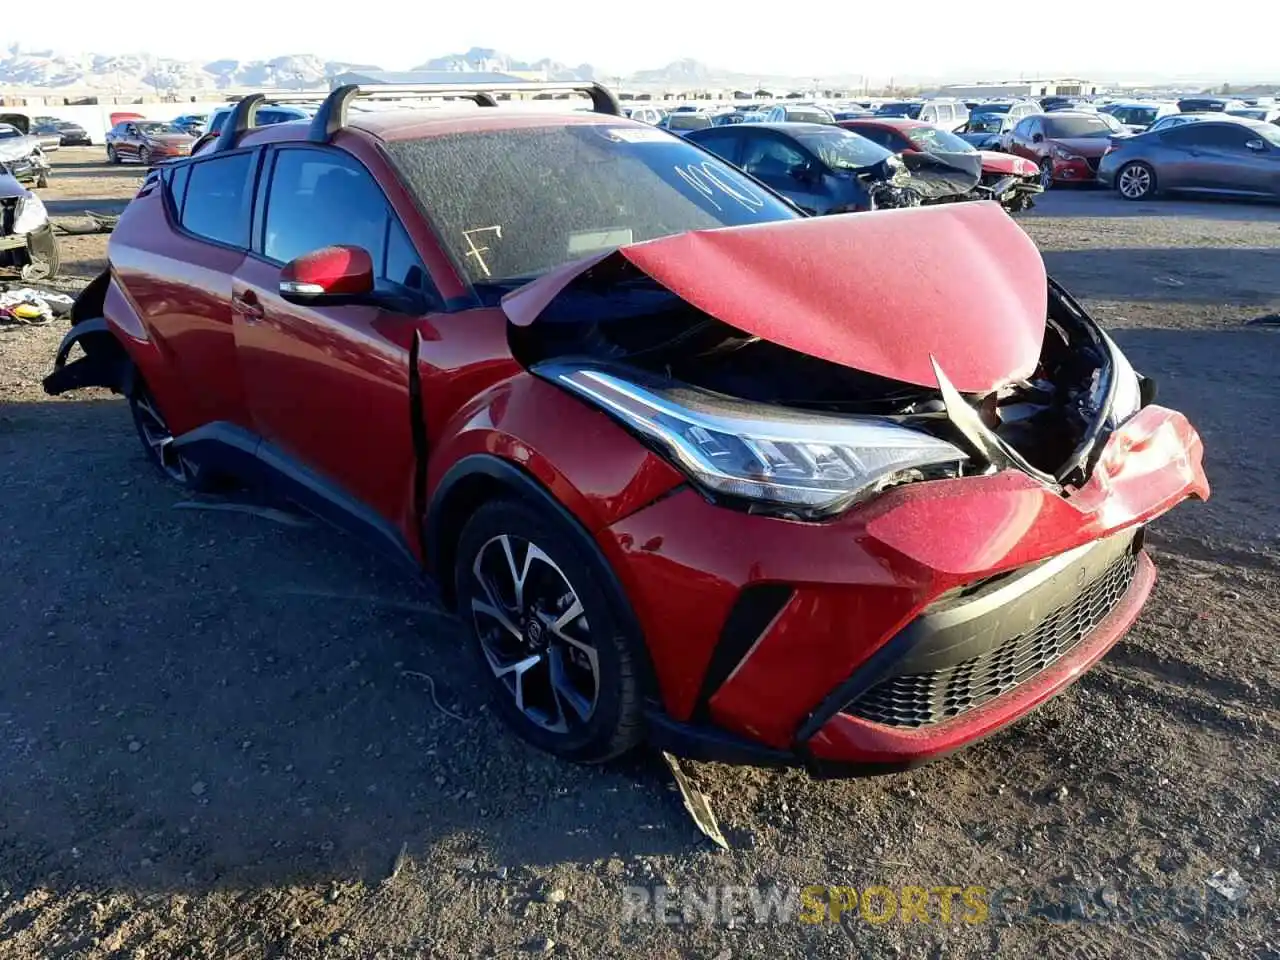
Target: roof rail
(244,116)
(332,115)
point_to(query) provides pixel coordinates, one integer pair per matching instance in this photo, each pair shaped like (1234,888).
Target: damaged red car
(1013,181)
(848,492)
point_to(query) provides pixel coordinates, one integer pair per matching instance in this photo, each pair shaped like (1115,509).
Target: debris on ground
(32,307)
(1228,883)
(696,802)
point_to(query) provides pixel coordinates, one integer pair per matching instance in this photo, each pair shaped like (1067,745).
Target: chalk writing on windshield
(712,185)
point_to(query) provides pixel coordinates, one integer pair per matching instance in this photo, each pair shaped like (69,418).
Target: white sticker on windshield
(589,241)
(632,135)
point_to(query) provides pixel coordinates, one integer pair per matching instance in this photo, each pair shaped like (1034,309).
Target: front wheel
(557,653)
(144,156)
(112,156)
(1136,181)
(1046,174)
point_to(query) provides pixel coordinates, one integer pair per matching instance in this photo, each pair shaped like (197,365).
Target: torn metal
(696,802)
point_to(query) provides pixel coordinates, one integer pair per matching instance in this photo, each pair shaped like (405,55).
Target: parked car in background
(1229,157)
(1263,114)
(69,134)
(1016,179)
(651,115)
(268,114)
(27,241)
(949,114)
(840,492)
(1066,146)
(685,121)
(798,113)
(819,167)
(192,123)
(146,141)
(1138,115)
(1209,104)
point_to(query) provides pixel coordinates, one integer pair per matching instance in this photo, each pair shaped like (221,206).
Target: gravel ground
(218,739)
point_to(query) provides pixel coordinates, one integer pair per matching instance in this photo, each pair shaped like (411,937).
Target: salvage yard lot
(233,735)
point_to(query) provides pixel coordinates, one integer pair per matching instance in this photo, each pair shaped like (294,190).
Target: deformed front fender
(104,364)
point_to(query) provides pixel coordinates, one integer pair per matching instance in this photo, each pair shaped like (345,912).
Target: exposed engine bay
(1048,424)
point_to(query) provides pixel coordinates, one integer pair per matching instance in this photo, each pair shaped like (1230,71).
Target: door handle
(247,306)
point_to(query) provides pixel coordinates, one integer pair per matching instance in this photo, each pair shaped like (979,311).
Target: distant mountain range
(140,73)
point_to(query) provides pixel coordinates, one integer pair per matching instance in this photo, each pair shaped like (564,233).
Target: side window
(216,205)
(318,198)
(1226,137)
(879,135)
(929,114)
(1183,135)
(176,184)
(770,157)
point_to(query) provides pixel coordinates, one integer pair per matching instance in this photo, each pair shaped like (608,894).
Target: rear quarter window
(217,199)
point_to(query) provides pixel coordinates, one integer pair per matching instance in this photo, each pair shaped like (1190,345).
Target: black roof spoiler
(332,115)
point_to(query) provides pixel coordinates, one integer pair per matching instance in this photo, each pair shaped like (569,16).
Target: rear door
(328,386)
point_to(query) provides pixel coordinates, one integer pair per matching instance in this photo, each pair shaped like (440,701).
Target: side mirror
(338,274)
(1037,138)
(1257,146)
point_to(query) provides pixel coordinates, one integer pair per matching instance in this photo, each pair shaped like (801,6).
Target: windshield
(511,204)
(993,108)
(843,150)
(809,115)
(1269,132)
(688,121)
(8,132)
(911,110)
(1250,113)
(1137,116)
(1077,127)
(986,123)
(933,140)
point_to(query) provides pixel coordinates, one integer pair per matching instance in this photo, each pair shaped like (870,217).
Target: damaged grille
(923,698)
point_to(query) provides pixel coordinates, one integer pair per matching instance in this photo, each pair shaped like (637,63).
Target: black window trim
(246,198)
(432,299)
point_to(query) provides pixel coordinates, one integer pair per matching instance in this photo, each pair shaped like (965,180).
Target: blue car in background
(268,114)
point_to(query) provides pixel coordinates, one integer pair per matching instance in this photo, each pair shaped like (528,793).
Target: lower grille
(919,699)
(1093,163)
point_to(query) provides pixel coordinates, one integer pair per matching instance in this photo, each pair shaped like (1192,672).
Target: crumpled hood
(17,148)
(880,292)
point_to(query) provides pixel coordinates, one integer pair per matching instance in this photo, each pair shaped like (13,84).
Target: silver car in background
(1230,157)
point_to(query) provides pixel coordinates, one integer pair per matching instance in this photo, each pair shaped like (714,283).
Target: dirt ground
(217,739)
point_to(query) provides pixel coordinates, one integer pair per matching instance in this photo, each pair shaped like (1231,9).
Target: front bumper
(856,642)
(1074,171)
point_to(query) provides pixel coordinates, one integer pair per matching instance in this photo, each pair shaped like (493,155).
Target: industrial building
(1073,87)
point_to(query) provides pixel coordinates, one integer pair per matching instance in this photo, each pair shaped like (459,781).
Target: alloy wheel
(1135,182)
(158,437)
(534,634)
(1046,174)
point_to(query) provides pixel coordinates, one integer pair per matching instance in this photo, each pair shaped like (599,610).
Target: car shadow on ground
(73,206)
(193,699)
(1208,275)
(93,171)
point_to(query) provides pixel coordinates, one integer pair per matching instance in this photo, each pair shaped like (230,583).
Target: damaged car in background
(824,169)
(847,492)
(1012,181)
(22,157)
(28,244)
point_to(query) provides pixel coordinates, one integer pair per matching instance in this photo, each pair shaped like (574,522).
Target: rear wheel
(1136,181)
(556,651)
(157,440)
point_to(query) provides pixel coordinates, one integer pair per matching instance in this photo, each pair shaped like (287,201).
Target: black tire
(1046,174)
(614,724)
(156,439)
(112,156)
(42,181)
(44,254)
(144,156)
(1136,181)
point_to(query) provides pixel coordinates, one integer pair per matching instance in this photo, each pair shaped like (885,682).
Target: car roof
(899,123)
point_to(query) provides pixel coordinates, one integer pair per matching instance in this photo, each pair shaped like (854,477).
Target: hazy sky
(931,39)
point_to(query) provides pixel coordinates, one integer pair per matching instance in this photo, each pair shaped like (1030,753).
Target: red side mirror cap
(342,271)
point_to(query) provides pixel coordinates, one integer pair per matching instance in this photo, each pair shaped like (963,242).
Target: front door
(328,386)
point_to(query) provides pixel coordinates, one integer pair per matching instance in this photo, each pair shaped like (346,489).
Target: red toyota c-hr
(845,491)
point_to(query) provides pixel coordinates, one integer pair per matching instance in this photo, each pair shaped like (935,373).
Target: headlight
(815,463)
(1127,399)
(1063,154)
(31,215)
